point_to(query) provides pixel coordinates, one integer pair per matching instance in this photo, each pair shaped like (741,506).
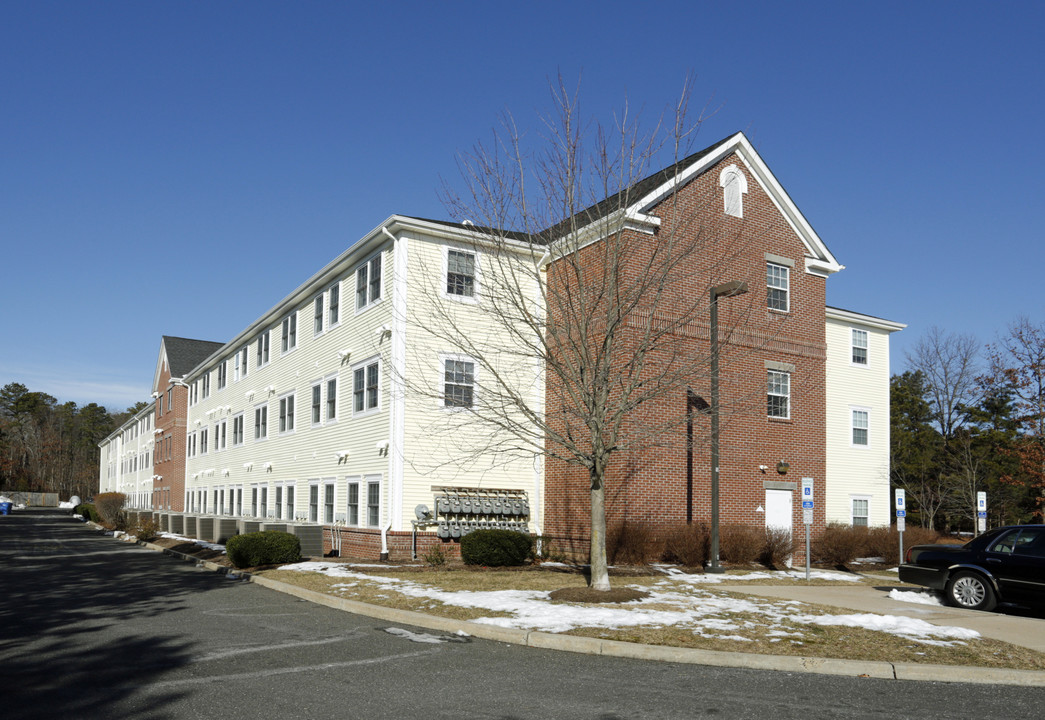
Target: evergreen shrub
(269,547)
(496,548)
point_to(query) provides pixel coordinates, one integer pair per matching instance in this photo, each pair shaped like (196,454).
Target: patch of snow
(416,637)
(201,543)
(920,597)
(869,561)
(66,505)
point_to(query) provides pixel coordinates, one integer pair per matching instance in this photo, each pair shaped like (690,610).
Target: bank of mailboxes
(461,514)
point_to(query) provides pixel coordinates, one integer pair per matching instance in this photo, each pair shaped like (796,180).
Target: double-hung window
(286,414)
(317,315)
(290,332)
(313,502)
(353,503)
(778,394)
(861,420)
(860,511)
(220,435)
(223,373)
(328,502)
(317,403)
(859,343)
(368,282)
(203,441)
(331,399)
(460,274)
(365,383)
(458,383)
(778,287)
(206,385)
(334,304)
(261,422)
(243,359)
(263,348)
(373,500)
(237,430)
(290,502)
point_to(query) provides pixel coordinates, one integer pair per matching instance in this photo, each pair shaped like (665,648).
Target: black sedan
(1003,565)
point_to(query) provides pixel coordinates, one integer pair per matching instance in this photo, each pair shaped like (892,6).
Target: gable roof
(182,355)
(634,202)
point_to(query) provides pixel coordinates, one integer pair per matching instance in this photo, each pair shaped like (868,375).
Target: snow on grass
(201,543)
(677,601)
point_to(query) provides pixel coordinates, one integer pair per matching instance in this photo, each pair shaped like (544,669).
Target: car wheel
(971,591)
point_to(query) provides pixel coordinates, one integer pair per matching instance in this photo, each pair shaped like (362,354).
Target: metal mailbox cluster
(461,511)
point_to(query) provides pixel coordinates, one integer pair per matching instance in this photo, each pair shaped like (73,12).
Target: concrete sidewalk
(1023,628)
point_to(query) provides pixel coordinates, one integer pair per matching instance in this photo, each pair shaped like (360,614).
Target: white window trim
(289,488)
(476,297)
(331,324)
(313,483)
(866,347)
(363,365)
(734,186)
(325,483)
(323,410)
(356,480)
(786,290)
(286,321)
(370,302)
(284,396)
(321,299)
(853,409)
(267,336)
(243,430)
(852,515)
(367,482)
(311,392)
(443,357)
(788,396)
(268,423)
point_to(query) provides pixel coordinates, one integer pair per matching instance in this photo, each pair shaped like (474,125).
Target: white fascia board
(159,364)
(848,316)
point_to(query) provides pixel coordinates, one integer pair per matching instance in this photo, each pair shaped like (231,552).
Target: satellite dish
(422,512)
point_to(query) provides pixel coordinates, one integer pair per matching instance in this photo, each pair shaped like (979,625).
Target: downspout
(388,494)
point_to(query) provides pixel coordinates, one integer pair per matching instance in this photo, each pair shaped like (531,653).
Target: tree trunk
(600,574)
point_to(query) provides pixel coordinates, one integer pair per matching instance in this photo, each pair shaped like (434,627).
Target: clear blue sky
(178,167)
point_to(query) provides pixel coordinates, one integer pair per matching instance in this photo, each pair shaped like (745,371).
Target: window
(264,501)
(353,503)
(460,273)
(237,430)
(206,385)
(365,387)
(317,315)
(860,421)
(240,370)
(313,502)
(286,414)
(290,502)
(373,496)
(194,393)
(261,422)
(368,283)
(170,399)
(777,287)
(279,502)
(253,500)
(223,374)
(328,502)
(458,383)
(860,511)
(263,349)
(334,302)
(317,403)
(290,333)
(859,347)
(331,399)
(219,435)
(734,185)
(779,394)
(203,441)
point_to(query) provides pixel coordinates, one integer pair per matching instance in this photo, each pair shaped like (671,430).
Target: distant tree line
(47,446)
(967,418)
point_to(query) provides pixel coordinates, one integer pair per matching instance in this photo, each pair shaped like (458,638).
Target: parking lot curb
(636,651)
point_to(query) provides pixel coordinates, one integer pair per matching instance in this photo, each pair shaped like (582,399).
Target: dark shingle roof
(604,207)
(184,354)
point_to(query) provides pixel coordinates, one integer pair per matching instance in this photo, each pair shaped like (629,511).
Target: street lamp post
(730,289)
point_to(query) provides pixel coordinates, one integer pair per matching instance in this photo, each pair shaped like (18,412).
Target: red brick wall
(647,481)
(172,423)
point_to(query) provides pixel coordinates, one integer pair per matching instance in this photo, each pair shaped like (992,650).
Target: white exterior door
(778,510)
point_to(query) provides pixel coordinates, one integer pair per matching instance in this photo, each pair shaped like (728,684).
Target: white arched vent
(734,185)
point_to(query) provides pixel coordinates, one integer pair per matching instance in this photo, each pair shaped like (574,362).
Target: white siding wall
(126,463)
(854,470)
(448,447)
(309,453)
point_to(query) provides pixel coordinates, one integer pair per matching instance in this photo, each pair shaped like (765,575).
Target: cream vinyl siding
(446,446)
(854,470)
(309,451)
(134,440)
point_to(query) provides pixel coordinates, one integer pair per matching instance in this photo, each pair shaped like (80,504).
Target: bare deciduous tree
(586,322)
(948,363)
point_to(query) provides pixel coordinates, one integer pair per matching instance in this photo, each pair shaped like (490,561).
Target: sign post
(901,516)
(981,512)
(807,513)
